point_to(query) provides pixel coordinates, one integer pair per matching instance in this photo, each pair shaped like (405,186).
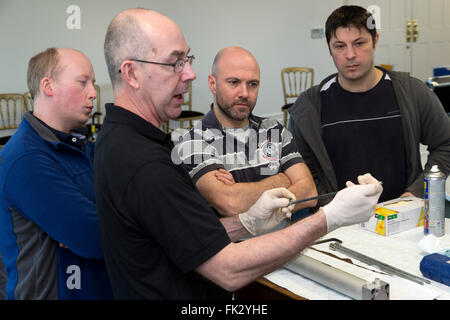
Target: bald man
(49,233)
(262,154)
(160,238)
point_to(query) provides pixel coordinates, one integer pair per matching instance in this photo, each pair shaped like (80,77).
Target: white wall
(276,32)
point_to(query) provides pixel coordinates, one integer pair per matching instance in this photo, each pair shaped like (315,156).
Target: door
(431,44)
(414,34)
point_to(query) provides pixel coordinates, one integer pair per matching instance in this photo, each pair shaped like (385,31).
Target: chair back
(187,103)
(187,114)
(295,80)
(387,66)
(29,103)
(97,106)
(12,108)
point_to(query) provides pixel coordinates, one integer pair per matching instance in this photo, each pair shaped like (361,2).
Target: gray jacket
(424,121)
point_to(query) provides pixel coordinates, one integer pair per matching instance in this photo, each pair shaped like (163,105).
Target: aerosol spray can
(434,196)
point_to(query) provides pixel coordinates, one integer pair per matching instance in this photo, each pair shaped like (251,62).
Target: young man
(160,238)
(49,233)
(232,155)
(367,119)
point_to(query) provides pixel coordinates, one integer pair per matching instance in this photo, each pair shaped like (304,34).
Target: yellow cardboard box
(396,215)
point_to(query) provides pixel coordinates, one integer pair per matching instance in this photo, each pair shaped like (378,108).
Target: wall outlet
(317,33)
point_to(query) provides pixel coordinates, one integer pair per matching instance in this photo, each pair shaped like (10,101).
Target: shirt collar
(210,121)
(52,135)
(118,114)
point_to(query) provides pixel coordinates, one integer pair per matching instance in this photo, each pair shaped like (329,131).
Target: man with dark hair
(368,119)
(160,238)
(49,234)
(348,16)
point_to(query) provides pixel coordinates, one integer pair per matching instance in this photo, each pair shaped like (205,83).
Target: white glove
(268,211)
(364,179)
(354,204)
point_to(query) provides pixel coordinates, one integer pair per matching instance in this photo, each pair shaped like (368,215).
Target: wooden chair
(187,115)
(12,107)
(92,127)
(29,103)
(387,66)
(97,112)
(294,80)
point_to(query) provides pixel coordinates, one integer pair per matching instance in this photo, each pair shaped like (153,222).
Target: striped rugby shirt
(250,154)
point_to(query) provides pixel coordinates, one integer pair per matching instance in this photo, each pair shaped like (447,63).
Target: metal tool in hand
(381,265)
(320,196)
(326,195)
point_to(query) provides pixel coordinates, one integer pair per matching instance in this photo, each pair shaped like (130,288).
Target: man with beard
(232,155)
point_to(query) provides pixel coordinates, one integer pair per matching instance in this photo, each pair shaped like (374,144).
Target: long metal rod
(373,262)
(325,195)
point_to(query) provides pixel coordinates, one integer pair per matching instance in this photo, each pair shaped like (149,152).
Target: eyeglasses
(178,66)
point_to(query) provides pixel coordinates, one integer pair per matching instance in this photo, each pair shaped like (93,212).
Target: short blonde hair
(44,64)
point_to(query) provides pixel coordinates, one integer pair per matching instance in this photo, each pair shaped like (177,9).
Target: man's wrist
(323,217)
(234,227)
(247,223)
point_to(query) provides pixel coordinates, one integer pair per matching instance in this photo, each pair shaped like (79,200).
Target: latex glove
(354,204)
(268,211)
(364,179)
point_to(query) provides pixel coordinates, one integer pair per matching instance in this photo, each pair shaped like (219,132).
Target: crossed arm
(230,198)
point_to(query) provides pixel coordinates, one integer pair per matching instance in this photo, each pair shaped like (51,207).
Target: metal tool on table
(320,196)
(326,240)
(373,262)
(339,280)
(336,279)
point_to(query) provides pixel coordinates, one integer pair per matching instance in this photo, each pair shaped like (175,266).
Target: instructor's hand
(354,204)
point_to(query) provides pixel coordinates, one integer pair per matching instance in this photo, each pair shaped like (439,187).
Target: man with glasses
(178,65)
(160,238)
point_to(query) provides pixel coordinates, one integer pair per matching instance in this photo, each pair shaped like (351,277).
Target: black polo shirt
(155,226)
(362,132)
